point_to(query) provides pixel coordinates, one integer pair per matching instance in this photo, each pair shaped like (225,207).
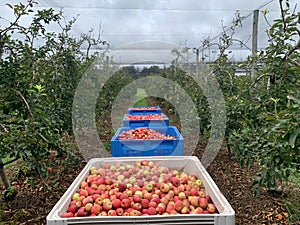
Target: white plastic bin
(188,164)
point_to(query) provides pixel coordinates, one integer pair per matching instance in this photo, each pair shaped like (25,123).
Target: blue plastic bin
(128,148)
(131,110)
(145,123)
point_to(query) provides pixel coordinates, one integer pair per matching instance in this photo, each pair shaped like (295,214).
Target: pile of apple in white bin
(142,189)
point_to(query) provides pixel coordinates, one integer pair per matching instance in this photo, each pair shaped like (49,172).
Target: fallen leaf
(279,217)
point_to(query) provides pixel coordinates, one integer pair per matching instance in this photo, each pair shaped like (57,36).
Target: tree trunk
(3,175)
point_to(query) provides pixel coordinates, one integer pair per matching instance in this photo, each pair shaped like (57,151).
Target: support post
(197,59)
(254,42)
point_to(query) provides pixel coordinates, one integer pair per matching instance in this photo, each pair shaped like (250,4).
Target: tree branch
(282,15)
(4,128)
(43,137)
(242,43)
(4,31)
(31,114)
(297,46)
(11,161)
(260,77)
(25,101)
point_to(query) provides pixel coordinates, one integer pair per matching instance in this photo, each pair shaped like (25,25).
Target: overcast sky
(182,22)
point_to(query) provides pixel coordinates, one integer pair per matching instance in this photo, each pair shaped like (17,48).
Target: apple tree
(39,72)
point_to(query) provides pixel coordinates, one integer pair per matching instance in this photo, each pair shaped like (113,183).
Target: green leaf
(293,137)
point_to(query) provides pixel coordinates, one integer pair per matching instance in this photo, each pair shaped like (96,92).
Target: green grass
(141,96)
(141,102)
(6,159)
(295,179)
(293,204)
(293,208)
(141,93)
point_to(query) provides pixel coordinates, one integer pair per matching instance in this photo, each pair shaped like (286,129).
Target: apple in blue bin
(144,133)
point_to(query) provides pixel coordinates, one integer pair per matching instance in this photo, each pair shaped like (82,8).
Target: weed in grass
(293,208)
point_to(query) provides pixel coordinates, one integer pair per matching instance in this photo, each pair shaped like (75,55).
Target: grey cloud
(185,22)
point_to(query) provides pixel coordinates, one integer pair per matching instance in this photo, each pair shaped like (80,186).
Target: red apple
(185,210)
(148,196)
(151,164)
(137,198)
(198,210)
(116,203)
(102,187)
(83,192)
(73,202)
(181,188)
(181,195)
(120,211)
(96,209)
(84,184)
(137,206)
(138,192)
(112,212)
(211,208)
(171,193)
(145,203)
(123,196)
(193,192)
(176,198)
(81,212)
(87,200)
(107,206)
(67,215)
(88,207)
(134,213)
(155,199)
(170,209)
(125,204)
(151,211)
(95,196)
(149,187)
(178,205)
(99,200)
(208,198)
(140,183)
(78,204)
(169,196)
(194,200)
(186,203)
(72,209)
(152,204)
(175,181)
(203,203)
(164,200)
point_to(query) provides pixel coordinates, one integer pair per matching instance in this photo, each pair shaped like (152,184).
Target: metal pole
(254,42)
